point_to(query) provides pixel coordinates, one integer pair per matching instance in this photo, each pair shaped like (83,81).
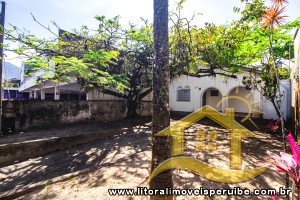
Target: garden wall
(37,113)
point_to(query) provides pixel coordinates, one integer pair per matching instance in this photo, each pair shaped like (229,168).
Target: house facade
(188,94)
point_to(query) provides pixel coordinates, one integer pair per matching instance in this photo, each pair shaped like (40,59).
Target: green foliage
(252,13)
(270,45)
(89,57)
(209,50)
(284,73)
(112,59)
(10,84)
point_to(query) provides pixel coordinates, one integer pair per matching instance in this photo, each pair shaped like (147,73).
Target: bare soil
(123,161)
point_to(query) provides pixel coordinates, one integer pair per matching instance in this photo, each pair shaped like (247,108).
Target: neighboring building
(11,82)
(50,89)
(14,93)
(296,86)
(188,94)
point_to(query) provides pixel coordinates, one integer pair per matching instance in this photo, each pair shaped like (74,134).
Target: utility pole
(1,55)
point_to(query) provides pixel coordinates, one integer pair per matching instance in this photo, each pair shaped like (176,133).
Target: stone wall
(37,113)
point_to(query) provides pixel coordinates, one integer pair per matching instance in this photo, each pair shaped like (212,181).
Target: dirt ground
(123,161)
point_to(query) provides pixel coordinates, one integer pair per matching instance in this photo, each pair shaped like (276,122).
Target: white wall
(268,108)
(238,105)
(29,82)
(198,86)
(226,87)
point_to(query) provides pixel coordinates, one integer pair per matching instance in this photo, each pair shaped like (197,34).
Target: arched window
(183,94)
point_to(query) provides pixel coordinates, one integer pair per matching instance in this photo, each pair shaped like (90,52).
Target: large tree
(210,50)
(111,59)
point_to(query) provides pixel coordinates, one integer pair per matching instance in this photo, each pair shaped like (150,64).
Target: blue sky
(69,14)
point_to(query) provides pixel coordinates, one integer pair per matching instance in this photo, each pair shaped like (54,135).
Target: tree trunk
(161,80)
(131,109)
(134,102)
(273,101)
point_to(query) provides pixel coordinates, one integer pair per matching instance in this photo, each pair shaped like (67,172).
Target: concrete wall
(37,113)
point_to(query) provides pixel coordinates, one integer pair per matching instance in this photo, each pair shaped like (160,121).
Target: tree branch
(47,28)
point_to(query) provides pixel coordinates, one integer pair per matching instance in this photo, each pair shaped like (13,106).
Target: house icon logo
(237,133)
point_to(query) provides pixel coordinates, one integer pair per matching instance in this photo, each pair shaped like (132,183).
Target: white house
(188,94)
(48,89)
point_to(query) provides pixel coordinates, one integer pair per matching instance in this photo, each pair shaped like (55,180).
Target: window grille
(183,94)
(214,93)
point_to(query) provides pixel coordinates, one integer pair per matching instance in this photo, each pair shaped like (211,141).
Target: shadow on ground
(87,156)
(123,161)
